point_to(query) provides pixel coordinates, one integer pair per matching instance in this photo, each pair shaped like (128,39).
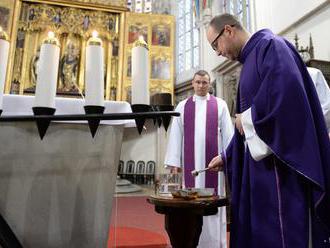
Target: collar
(246,43)
(207,97)
(252,43)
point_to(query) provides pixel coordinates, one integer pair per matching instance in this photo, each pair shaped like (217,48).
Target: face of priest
(224,43)
(201,84)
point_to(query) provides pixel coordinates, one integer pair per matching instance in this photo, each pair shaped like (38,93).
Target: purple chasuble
(211,141)
(271,199)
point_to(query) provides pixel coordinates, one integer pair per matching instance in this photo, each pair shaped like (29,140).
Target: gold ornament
(141,42)
(3,35)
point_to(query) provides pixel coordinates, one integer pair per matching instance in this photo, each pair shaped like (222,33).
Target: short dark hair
(219,22)
(202,73)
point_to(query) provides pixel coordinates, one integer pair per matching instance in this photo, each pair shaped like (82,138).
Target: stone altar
(57,192)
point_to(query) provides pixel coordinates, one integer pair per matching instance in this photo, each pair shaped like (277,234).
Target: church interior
(63,187)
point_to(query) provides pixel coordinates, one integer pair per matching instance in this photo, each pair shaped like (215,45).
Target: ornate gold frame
(96,5)
(163,52)
(7,18)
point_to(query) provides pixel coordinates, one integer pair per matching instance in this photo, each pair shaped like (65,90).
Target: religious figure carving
(4,17)
(34,68)
(69,68)
(160,68)
(72,23)
(57,17)
(129,94)
(232,94)
(111,24)
(32,15)
(113,93)
(86,22)
(129,66)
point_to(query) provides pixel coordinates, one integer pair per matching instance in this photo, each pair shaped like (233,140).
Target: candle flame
(141,38)
(51,35)
(95,34)
(1,29)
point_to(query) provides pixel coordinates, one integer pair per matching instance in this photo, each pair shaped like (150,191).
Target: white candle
(47,72)
(140,72)
(94,78)
(4,52)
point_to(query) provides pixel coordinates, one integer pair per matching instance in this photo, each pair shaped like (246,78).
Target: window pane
(180,8)
(188,21)
(181,26)
(196,37)
(193,20)
(188,41)
(188,5)
(188,60)
(188,37)
(196,57)
(181,44)
(181,63)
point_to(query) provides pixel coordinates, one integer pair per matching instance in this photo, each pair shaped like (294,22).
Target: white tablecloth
(22,105)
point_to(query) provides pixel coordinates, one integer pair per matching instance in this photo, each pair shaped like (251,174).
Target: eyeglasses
(214,43)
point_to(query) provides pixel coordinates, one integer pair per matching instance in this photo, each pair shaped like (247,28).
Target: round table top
(198,203)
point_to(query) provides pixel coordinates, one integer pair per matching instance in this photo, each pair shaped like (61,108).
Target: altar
(57,192)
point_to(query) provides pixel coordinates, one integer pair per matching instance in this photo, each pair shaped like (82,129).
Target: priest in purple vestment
(278,161)
(202,131)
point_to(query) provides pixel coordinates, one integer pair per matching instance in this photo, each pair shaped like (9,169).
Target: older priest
(203,130)
(278,162)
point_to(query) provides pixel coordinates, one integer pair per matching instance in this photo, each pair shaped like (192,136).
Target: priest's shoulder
(180,105)
(271,50)
(221,101)
(272,43)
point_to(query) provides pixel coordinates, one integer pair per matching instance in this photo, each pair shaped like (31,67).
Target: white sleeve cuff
(172,161)
(257,147)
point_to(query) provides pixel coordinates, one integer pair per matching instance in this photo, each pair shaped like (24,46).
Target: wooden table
(184,218)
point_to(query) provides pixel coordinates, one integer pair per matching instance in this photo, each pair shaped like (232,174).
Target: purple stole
(211,142)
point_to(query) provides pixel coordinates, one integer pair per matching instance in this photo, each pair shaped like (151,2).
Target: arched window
(187,36)
(239,8)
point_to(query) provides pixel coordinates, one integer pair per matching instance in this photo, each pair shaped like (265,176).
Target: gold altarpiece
(73,21)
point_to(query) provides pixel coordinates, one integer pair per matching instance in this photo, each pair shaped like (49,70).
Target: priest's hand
(216,164)
(238,124)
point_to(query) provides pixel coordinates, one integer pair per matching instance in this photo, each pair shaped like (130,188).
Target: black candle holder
(139,108)
(93,123)
(155,119)
(42,119)
(8,238)
(164,119)
(0,111)
(43,124)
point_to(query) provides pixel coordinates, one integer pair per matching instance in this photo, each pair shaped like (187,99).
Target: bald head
(227,36)
(218,23)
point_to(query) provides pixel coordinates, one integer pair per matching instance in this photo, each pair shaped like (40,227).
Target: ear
(230,30)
